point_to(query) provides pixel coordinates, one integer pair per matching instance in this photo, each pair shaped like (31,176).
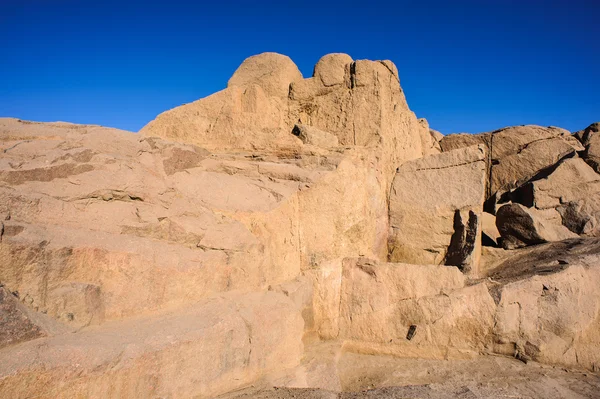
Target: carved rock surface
(312,135)
(413,310)
(435,209)
(214,347)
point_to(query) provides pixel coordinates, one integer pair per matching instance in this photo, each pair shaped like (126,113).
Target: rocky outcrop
(548,306)
(517,154)
(590,138)
(359,102)
(415,311)
(538,303)
(203,351)
(569,196)
(312,135)
(435,209)
(519,226)
(15,324)
(272,72)
(197,257)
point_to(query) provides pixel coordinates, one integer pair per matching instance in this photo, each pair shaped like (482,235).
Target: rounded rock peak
(391,67)
(331,68)
(273,72)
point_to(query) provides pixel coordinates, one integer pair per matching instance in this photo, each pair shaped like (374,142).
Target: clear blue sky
(466,66)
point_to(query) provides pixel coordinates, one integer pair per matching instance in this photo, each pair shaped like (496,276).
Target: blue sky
(466,66)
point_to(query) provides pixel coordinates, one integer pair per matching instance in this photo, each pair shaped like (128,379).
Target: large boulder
(435,209)
(272,72)
(331,69)
(520,226)
(517,154)
(571,191)
(590,138)
(548,303)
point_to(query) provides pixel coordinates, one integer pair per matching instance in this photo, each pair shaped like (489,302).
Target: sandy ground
(367,376)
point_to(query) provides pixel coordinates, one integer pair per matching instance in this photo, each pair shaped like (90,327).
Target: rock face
(359,102)
(314,136)
(204,351)
(548,304)
(519,227)
(590,138)
(516,154)
(272,72)
(15,325)
(539,168)
(416,311)
(568,197)
(198,257)
(435,209)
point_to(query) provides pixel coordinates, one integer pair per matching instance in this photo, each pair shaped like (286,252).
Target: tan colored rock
(435,209)
(520,226)
(489,230)
(331,69)
(517,154)
(239,117)
(272,72)
(455,141)
(214,347)
(314,136)
(431,144)
(572,190)
(590,138)
(413,310)
(15,325)
(553,318)
(515,169)
(359,102)
(436,135)
(162,234)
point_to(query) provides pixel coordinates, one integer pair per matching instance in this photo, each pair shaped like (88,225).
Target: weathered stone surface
(436,135)
(314,136)
(135,235)
(272,72)
(15,325)
(365,376)
(549,306)
(435,209)
(196,266)
(590,138)
(455,141)
(331,69)
(380,303)
(520,226)
(430,146)
(517,154)
(572,190)
(359,102)
(534,158)
(489,230)
(203,351)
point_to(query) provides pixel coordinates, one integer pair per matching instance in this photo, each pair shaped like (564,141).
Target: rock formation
(260,236)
